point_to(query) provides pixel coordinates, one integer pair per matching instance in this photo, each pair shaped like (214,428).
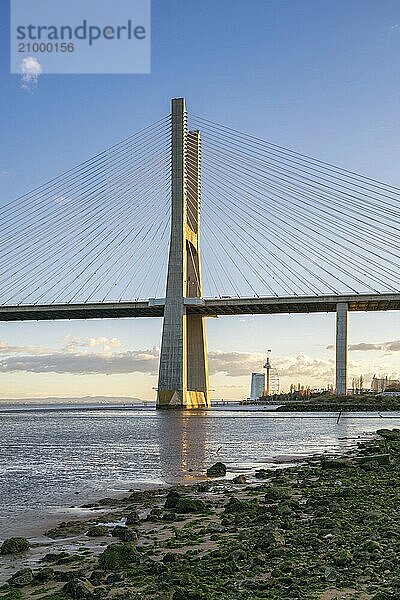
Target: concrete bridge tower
(183,370)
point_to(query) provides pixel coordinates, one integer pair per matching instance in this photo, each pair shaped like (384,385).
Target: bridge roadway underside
(208,307)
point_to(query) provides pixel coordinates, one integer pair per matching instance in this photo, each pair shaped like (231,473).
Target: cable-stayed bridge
(119,236)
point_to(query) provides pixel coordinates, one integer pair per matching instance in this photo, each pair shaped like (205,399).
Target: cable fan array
(98,232)
(274,222)
(279,223)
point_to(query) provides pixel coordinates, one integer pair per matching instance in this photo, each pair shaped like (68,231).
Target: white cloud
(104,344)
(234,364)
(392,346)
(133,361)
(31,70)
(7,349)
(238,364)
(387,347)
(305,366)
(98,355)
(78,357)
(365,347)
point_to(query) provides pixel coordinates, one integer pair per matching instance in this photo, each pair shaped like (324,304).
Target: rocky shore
(326,529)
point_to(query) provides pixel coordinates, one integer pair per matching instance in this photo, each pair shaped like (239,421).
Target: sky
(320,77)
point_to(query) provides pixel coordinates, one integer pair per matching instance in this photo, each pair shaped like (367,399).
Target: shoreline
(71,511)
(323,525)
(50,518)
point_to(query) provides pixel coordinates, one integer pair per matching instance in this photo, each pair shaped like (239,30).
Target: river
(54,460)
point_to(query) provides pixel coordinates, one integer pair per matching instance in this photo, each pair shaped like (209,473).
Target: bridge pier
(341,348)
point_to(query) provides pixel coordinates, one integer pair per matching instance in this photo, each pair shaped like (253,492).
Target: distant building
(384,384)
(257,386)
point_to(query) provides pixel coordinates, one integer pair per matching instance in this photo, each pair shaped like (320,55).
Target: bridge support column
(183,372)
(341,348)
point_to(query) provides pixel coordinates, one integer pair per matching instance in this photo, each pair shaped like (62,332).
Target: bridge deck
(208,307)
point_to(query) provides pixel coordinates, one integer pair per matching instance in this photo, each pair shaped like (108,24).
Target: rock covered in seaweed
(98,531)
(14,545)
(389,434)
(125,534)
(79,588)
(217,470)
(172,498)
(132,518)
(21,578)
(240,479)
(189,505)
(118,556)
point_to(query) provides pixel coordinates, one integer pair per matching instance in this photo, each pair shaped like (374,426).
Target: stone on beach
(132,518)
(57,558)
(14,545)
(118,556)
(277,492)
(343,557)
(124,534)
(189,505)
(235,505)
(114,578)
(66,529)
(44,575)
(261,474)
(389,434)
(172,498)
(381,459)
(21,578)
(98,531)
(79,588)
(239,479)
(336,463)
(214,527)
(217,470)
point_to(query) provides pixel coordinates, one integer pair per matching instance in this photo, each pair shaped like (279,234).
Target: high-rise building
(257,386)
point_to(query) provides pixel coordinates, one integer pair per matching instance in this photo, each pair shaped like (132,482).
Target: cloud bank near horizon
(99,356)
(387,347)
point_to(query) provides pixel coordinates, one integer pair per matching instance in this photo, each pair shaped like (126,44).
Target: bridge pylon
(183,369)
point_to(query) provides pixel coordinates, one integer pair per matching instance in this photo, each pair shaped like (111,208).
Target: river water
(54,460)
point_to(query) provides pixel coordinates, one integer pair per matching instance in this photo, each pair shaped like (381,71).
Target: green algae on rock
(14,545)
(310,532)
(79,588)
(389,434)
(21,578)
(66,529)
(118,556)
(217,470)
(189,505)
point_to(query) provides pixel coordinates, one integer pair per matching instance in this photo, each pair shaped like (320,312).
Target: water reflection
(47,457)
(183,444)
(343,429)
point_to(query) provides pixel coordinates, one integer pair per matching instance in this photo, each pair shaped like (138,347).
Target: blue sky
(320,77)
